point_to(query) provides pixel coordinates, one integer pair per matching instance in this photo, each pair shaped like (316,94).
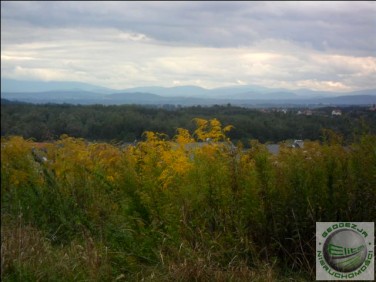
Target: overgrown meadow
(176,209)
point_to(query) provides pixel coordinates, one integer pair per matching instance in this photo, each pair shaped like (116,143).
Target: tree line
(127,123)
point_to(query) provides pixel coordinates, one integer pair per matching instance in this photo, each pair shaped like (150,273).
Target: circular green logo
(345,250)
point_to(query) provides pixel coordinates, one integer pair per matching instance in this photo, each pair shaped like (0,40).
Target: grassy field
(167,210)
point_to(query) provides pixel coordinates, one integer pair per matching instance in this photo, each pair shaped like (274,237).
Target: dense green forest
(127,123)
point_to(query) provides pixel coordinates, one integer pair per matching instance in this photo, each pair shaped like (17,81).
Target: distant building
(373,108)
(336,113)
(298,144)
(306,113)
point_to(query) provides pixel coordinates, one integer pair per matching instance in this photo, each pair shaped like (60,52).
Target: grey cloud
(341,26)
(121,44)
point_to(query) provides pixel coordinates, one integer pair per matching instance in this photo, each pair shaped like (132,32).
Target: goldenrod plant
(191,207)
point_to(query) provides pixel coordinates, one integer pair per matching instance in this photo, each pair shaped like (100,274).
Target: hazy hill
(178,91)
(347,100)
(82,93)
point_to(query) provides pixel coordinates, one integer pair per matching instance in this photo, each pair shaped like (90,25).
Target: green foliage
(127,123)
(176,209)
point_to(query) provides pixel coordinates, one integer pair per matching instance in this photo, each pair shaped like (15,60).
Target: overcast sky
(315,45)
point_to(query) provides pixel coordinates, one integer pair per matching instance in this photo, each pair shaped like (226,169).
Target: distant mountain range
(247,95)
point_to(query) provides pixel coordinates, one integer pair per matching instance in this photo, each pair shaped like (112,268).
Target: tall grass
(170,210)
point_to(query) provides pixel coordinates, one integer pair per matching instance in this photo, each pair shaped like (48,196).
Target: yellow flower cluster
(76,162)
